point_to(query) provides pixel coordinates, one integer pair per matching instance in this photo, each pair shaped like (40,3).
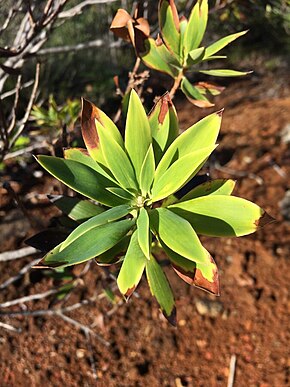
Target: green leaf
(169,25)
(182,26)
(202,276)
(221,43)
(178,235)
(147,171)
(196,26)
(90,115)
(132,267)
(160,289)
(117,160)
(80,178)
(114,253)
(159,58)
(193,94)
(164,125)
(201,135)
(82,156)
(195,56)
(76,208)
(213,187)
(179,173)
(137,133)
(89,245)
(143,232)
(121,193)
(98,220)
(225,73)
(222,215)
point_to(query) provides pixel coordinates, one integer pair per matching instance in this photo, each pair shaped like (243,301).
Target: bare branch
(28,108)
(13,91)
(10,327)
(77,10)
(77,47)
(21,273)
(16,254)
(32,297)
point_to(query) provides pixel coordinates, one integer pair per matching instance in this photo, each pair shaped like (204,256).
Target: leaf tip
(264,219)
(171,318)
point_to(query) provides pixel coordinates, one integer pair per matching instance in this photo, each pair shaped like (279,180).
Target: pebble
(285,134)
(284,205)
(209,308)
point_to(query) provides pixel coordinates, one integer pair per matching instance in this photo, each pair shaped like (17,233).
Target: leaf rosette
(133,206)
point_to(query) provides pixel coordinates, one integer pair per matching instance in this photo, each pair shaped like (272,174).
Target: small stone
(181,323)
(209,308)
(285,134)
(285,206)
(80,353)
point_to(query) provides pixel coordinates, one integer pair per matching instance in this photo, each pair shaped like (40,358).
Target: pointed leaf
(147,172)
(132,267)
(164,125)
(91,114)
(196,26)
(179,173)
(182,26)
(158,57)
(221,43)
(137,133)
(193,95)
(178,235)
(201,135)
(82,156)
(98,220)
(160,289)
(121,193)
(206,87)
(202,276)
(212,187)
(221,215)
(76,208)
(225,73)
(80,178)
(89,245)
(117,160)
(143,232)
(113,255)
(169,25)
(195,56)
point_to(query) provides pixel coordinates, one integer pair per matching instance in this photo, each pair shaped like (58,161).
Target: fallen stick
(16,254)
(232,369)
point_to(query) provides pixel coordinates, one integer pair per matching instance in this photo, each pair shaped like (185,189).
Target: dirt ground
(248,320)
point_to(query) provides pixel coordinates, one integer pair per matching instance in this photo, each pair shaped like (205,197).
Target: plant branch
(176,85)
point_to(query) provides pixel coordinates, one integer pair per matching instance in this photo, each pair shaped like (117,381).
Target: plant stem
(176,85)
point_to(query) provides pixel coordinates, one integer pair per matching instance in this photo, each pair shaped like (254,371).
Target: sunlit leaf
(137,133)
(193,94)
(117,160)
(160,289)
(147,171)
(225,73)
(132,267)
(179,173)
(90,244)
(222,215)
(164,125)
(169,25)
(212,187)
(195,56)
(98,220)
(221,43)
(76,208)
(112,255)
(81,178)
(196,26)
(159,58)
(201,135)
(200,275)
(143,232)
(178,235)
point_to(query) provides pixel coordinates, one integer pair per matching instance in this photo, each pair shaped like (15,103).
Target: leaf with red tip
(119,24)
(164,125)
(132,267)
(210,88)
(193,95)
(203,276)
(169,25)
(91,114)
